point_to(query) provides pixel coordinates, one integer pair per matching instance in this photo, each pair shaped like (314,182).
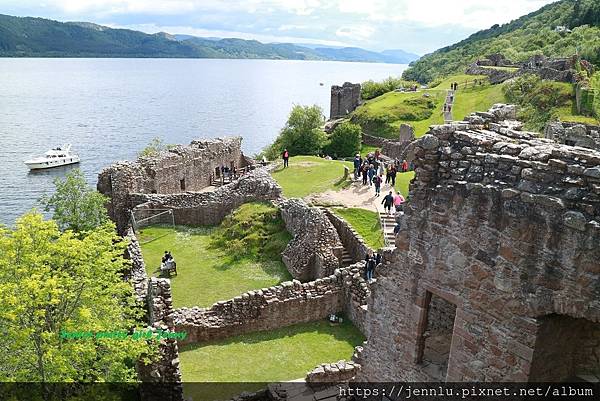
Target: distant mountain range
(39,37)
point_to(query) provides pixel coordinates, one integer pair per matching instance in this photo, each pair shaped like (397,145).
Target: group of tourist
(372,169)
(454,86)
(372,260)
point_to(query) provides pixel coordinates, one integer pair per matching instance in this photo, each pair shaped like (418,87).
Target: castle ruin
(495,275)
(344,99)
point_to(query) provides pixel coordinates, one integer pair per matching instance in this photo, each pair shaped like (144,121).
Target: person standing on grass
(371,174)
(398,202)
(387,202)
(286,158)
(377,180)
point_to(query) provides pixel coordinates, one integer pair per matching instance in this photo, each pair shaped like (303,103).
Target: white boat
(60,156)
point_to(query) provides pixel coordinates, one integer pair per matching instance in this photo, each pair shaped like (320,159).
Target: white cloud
(359,32)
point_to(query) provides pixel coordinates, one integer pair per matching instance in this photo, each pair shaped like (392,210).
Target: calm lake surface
(109,109)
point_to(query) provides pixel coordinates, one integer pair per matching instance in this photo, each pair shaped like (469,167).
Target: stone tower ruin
(344,99)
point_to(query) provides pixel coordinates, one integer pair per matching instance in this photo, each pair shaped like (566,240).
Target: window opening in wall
(217,172)
(436,336)
(182,184)
(570,142)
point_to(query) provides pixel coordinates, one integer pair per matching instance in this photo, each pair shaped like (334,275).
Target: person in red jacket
(404,166)
(286,157)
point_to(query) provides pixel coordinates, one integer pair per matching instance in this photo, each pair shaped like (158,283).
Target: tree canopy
(75,205)
(53,282)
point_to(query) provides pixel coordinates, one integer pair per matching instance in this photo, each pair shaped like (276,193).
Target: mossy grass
(219,263)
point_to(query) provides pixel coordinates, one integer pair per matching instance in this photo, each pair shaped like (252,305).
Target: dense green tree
(302,134)
(345,140)
(53,282)
(75,205)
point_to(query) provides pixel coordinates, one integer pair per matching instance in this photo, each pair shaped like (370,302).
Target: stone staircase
(346,259)
(450,96)
(388,222)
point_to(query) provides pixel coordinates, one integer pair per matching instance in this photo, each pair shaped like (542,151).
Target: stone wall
(344,99)
(316,249)
(328,373)
(351,240)
(503,225)
(390,148)
(210,208)
(161,380)
(283,305)
(574,134)
(177,170)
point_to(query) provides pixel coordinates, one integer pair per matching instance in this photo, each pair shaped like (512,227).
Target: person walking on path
(371,174)
(388,173)
(377,180)
(286,158)
(387,202)
(393,173)
(357,165)
(399,201)
(365,172)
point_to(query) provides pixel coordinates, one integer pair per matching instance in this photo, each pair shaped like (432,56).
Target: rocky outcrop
(328,373)
(316,249)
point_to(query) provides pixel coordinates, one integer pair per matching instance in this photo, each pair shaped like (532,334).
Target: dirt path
(357,195)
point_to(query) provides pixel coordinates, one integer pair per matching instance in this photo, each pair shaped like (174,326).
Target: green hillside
(383,115)
(518,40)
(38,37)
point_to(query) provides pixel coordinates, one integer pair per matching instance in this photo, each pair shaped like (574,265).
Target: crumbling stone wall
(506,227)
(344,99)
(210,208)
(316,249)
(287,304)
(328,373)
(161,380)
(351,240)
(574,134)
(177,170)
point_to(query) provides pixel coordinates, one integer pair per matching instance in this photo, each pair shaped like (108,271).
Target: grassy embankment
(277,355)
(383,115)
(219,263)
(365,222)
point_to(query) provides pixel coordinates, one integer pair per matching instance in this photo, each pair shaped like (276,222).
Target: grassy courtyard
(366,223)
(277,355)
(310,174)
(219,263)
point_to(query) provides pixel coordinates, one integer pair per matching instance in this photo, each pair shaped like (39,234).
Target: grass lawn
(207,273)
(310,174)
(277,355)
(366,223)
(402,182)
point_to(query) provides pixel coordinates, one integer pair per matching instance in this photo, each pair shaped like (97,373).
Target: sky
(418,26)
